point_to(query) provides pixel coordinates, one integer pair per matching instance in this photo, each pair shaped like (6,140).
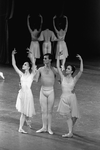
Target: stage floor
(87,128)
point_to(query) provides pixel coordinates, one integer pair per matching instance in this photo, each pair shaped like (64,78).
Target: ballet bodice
(26,80)
(67,84)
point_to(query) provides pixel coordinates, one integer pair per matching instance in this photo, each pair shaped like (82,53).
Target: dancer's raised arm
(32,59)
(14,63)
(41,23)
(59,70)
(55,25)
(66,26)
(81,68)
(28,24)
(34,32)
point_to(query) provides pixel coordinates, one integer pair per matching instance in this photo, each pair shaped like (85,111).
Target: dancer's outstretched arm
(32,59)
(41,37)
(59,70)
(66,26)
(14,63)
(55,25)
(28,24)
(41,23)
(34,33)
(81,68)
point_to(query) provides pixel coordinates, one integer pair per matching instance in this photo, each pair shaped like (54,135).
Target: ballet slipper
(69,135)
(50,132)
(22,131)
(41,130)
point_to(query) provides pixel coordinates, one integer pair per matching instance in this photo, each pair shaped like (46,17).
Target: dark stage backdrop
(83,35)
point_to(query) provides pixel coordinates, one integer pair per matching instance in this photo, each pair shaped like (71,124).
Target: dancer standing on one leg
(34,46)
(61,44)
(25,101)
(68,103)
(47,75)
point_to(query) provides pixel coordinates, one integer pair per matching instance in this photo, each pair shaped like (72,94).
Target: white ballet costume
(46,47)
(25,100)
(62,49)
(68,105)
(35,49)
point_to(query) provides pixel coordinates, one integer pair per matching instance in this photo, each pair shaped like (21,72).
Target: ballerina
(25,100)
(68,105)
(61,44)
(34,46)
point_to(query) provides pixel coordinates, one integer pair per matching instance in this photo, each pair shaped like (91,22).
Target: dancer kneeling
(68,105)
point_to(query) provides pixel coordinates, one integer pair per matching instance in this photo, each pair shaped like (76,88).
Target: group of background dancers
(68,106)
(47,36)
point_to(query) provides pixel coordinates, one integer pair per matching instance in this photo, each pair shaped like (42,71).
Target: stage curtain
(6,13)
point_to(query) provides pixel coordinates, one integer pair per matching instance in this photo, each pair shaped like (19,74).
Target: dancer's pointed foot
(69,135)
(22,131)
(50,131)
(41,130)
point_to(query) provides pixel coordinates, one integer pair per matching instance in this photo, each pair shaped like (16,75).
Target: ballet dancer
(34,46)
(61,44)
(47,75)
(25,100)
(68,105)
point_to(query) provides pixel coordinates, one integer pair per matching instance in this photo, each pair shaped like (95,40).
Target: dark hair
(30,65)
(73,68)
(50,55)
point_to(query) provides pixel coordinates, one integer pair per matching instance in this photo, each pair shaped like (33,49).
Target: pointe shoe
(50,132)
(69,135)
(22,131)
(41,130)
